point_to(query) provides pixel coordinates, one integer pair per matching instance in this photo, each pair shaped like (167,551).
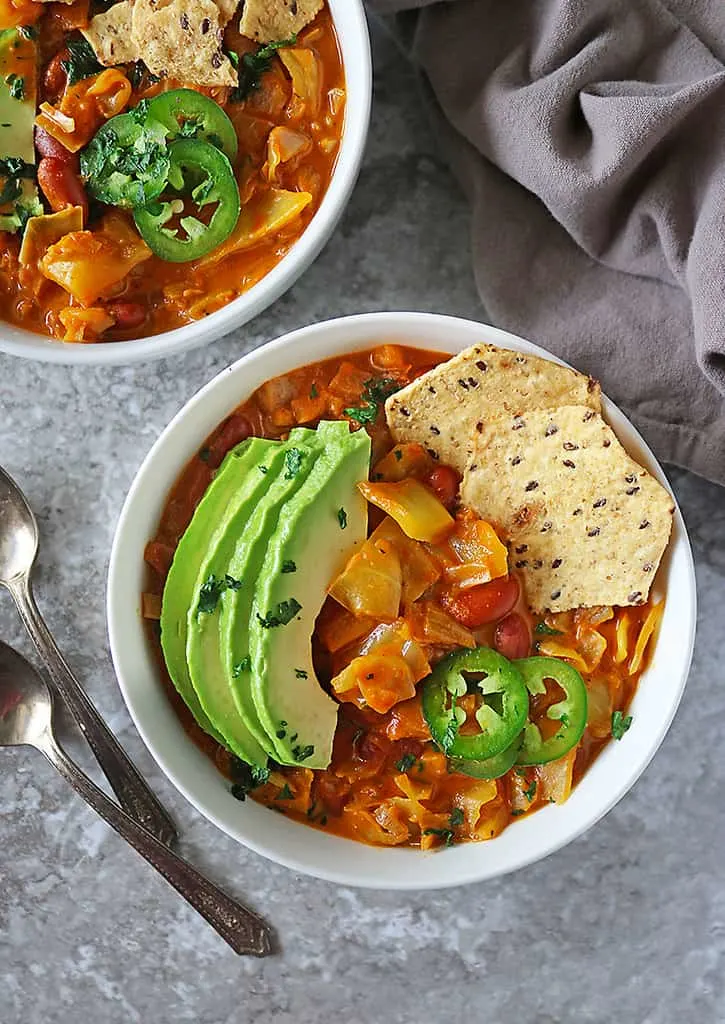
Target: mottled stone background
(626,925)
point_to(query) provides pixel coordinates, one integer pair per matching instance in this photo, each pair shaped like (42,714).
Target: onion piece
(416,510)
(648,630)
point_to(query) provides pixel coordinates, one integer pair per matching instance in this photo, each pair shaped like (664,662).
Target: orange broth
(387,783)
(173,294)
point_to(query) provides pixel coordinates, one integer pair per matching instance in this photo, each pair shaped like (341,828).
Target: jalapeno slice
(126,163)
(571,712)
(493,767)
(185,113)
(202,172)
(500,717)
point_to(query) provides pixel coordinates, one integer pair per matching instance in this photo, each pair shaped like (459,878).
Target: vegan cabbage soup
(157,157)
(405,598)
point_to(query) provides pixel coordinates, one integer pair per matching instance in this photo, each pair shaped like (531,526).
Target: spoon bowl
(25,703)
(18,532)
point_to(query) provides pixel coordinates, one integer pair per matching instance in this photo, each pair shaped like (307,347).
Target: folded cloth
(590,138)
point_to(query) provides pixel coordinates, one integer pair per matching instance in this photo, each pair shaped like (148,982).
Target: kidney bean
(234,430)
(511,637)
(55,76)
(126,314)
(444,481)
(61,185)
(46,145)
(486,603)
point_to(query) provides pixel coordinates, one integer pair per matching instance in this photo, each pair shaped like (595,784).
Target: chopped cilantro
(300,673)
(285,793)
(530,793)
(263,469)
(292,462)
(242,666)
(313,392)
(289,566)
(13,168)
(204,454)
(252,66)
(247,777)
(342,518)
(620,724)
(16,86)
(375,392)
(283,613)
(541,627)
(517,814)
(456,817)
(323,820)
(28,32)
(232,584)
(311,809)
(450,734)
(281,733)
(302,753)
(443,833)
(405,763)
(398,454)
(81,62)
(209,594)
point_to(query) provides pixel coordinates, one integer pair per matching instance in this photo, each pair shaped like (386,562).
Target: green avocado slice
(245,563)
(317,531)
(223,578)
(179,588)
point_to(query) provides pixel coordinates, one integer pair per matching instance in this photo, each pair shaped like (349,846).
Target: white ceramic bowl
(352,33)
(294,845)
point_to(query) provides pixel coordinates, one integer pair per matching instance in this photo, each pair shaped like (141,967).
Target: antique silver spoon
(18,550)
(26,719)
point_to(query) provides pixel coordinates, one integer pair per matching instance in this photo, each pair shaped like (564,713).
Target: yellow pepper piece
(649,627)
(416,510)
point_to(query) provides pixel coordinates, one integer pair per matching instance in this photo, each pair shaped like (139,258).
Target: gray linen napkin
(590,137)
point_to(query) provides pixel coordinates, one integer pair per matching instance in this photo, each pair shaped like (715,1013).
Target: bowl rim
(354,41)
(312,341)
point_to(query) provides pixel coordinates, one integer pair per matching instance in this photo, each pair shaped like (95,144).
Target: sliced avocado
(317,531)
(235,475)
(18,80)
(245,563)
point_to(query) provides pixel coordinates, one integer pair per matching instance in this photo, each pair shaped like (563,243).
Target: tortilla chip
(444,408)
(586,524)
(182,39)
(110,35)
(227,10)
(268,21)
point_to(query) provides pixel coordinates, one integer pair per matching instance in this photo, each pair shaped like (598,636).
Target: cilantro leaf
(246,778)
(81,61)
(242,666)
(405,763)
(209,594)
(289,566)
(546,630)
(300,673)
(450,734)
(443,833)
(342,518)
(292,462)
(252,66)
(456,817)
(530,793)
(302,753)
(282,614)
(375,392)
(285,793)
(620,724)
(232,584)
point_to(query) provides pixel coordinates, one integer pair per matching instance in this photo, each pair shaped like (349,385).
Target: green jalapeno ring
(493,767)
(185,113)
(215,182)
(571,712)
(448,681)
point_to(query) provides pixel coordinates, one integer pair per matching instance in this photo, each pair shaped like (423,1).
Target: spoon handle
(241,928)
(128,785)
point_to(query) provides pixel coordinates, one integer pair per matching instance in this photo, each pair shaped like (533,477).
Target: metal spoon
(26,718)
(18,550)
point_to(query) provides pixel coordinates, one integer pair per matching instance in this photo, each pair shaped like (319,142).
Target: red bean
(487,603)
(234,430)
(511,637)
(127,314)
(46,145)
(444,481)
(55,76)
(61,185)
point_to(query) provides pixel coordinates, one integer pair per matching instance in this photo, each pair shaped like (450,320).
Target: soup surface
(120,259)
(389,782)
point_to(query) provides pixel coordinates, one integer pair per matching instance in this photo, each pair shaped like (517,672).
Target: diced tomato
(61,185)
(159,556)
(487,603)
(444,481)
(511,637)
